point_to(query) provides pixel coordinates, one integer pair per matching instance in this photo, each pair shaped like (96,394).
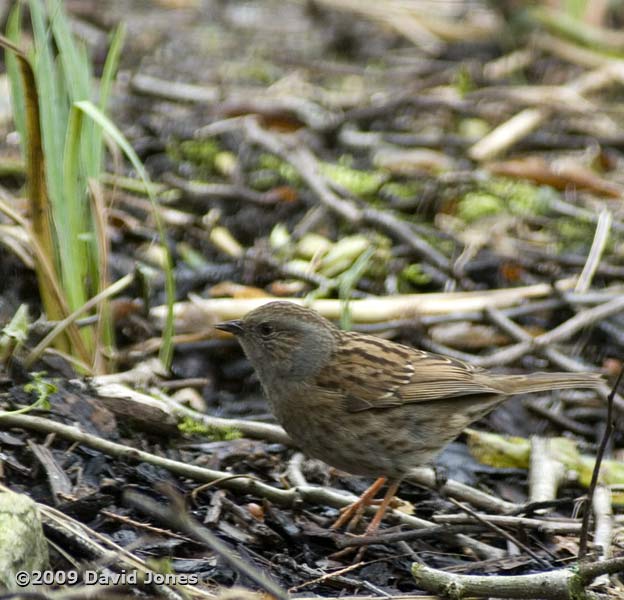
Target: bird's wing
(370,372)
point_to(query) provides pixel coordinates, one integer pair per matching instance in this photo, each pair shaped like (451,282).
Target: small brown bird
(367,405)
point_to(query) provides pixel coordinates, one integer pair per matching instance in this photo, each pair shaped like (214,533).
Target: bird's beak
(235,327)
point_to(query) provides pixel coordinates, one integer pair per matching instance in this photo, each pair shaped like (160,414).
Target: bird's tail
(542,382)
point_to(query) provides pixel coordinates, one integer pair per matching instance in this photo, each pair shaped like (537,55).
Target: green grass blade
(76,267)
(53,115)
(111,65)
(348,281)
(106,81)
(49,283)
(74,60)
(115,134)
(76,73)
(18,102)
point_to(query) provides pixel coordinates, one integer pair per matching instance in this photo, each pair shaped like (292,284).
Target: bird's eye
(265,329)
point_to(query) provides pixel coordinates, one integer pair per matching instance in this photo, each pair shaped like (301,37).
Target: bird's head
(284,340)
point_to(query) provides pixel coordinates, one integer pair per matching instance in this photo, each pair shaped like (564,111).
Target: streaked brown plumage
(367,405)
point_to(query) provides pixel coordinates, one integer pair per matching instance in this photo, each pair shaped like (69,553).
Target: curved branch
(560,584)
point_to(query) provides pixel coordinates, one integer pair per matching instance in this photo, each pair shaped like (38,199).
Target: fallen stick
(365,310)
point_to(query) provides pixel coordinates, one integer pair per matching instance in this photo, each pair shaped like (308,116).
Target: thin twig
(348,541)
(305,163)
(560,419)
(62,325)
(544,525)
(594,480)
(601,235)
(483,520)
(580,320)
(176,517)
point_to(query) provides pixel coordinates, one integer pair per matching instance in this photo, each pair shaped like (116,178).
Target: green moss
(263,180)
(279,168)
(463,81)
(360,183)
(269,161)
(191,426)
(521,198)
(400,190)
(574,233)
(477,205)
(200,153)
(256,70)
(577,588)
(502,195)
(415,275)
(503,451)
(497,450)
(271,169)
(403,195)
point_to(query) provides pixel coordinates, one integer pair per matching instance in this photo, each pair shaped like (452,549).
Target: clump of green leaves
(57,74)
(15,333)
(191,426)
(502,195)
(401,192)
(503,451)
(478,205)
(521,197)
(464,83)
(413,274)
(272,171)
(202,154)
(42,388)
(52,90)
(356,181)
(343,253)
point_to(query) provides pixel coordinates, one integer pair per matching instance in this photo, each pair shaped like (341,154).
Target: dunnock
(367,405)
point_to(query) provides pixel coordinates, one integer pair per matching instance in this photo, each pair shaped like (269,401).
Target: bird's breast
(319,424)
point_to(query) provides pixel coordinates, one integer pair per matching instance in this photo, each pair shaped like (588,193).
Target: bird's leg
(393,487)
(373,526)
(354,511)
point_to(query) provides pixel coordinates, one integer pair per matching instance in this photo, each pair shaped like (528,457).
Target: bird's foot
(373,526)
(351,514)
